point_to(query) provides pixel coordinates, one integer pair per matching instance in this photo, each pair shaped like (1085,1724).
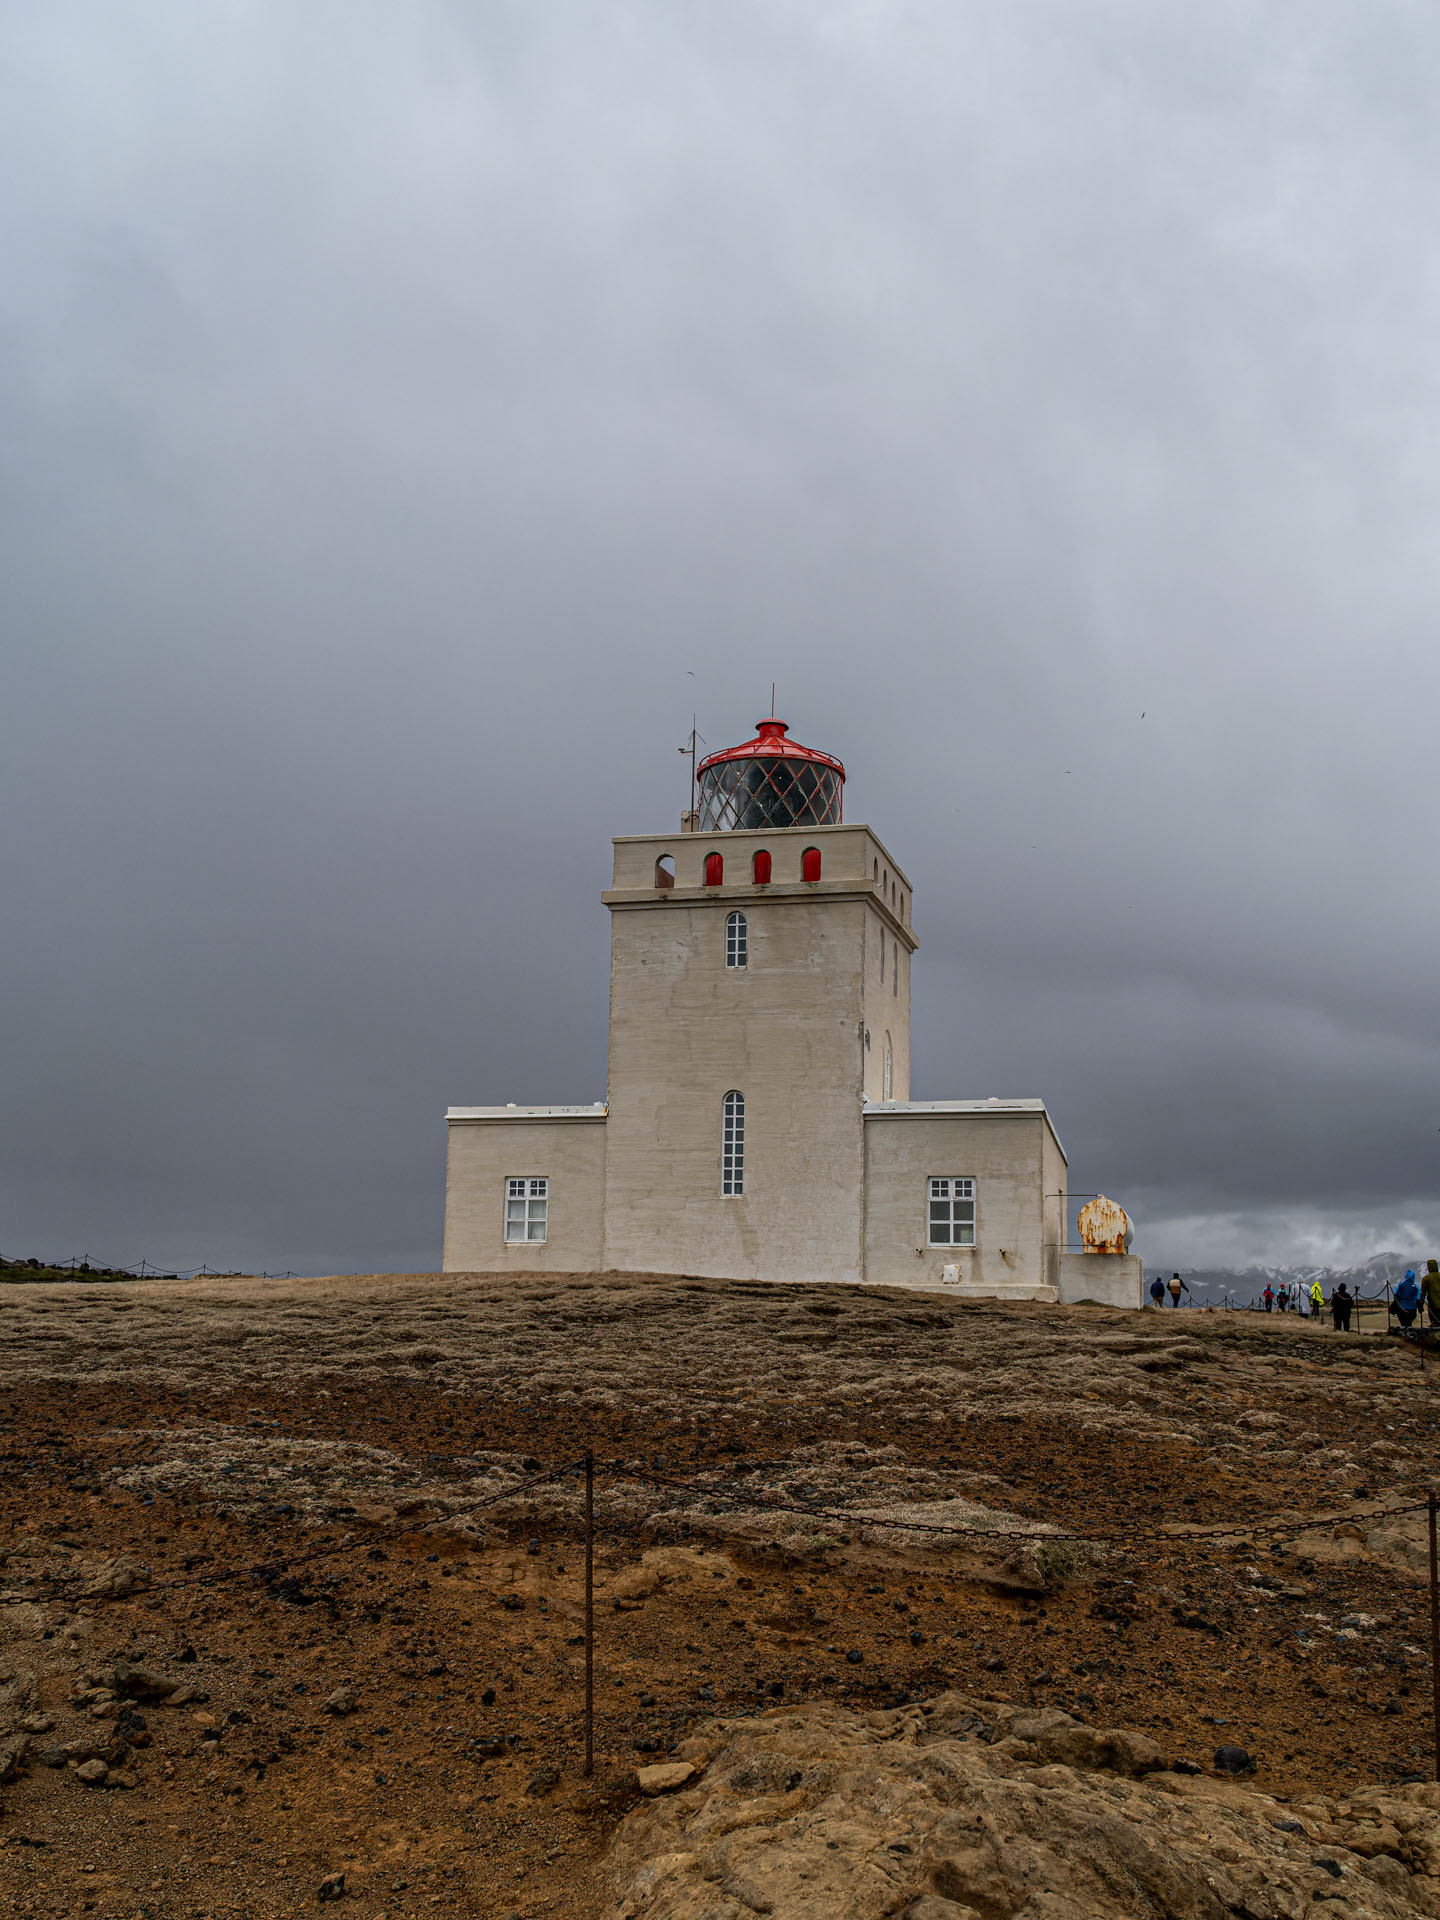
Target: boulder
(962,1807)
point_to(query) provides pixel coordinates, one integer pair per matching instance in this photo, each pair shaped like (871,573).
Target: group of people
(1416,1295)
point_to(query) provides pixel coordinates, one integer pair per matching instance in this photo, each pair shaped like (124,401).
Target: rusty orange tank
(1105,1227)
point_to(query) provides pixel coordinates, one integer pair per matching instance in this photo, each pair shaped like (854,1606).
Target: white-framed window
(737,940)
(952,1212)
(732,1145)
(527,1204)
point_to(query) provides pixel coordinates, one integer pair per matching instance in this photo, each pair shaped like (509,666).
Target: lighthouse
(757,1122)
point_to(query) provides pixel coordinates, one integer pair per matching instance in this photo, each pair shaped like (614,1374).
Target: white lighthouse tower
(758,1121)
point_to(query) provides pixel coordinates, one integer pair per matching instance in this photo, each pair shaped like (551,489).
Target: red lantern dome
(770,782)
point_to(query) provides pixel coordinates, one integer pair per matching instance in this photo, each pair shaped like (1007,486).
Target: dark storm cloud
(407,415)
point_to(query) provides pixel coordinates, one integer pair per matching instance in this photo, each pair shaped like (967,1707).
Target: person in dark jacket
(1268,1296)
(1177,1286)
(1407,1299)
(1157,1290)
(1341,1303)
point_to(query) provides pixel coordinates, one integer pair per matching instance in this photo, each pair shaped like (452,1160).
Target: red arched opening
(810,864)
(760,869)
(714,869)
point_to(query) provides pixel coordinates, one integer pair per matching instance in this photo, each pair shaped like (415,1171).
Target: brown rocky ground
(265,1492)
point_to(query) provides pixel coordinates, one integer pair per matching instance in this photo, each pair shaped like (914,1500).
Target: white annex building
(759,1121)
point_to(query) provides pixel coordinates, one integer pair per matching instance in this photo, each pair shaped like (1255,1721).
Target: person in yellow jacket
(1317,1299)
(1430,1287)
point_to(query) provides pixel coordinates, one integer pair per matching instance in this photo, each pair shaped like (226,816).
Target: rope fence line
(739,1497)
(856,1520)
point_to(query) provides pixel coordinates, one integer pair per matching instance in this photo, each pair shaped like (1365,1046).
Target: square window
(527,1206)
(951,1212)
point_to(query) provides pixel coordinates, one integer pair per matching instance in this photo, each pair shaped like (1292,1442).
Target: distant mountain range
(1242,1285)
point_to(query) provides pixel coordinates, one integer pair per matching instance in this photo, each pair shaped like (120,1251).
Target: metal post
(590,1611)
(1434,1633)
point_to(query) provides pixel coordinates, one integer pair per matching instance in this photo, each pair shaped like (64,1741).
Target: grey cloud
(397,408)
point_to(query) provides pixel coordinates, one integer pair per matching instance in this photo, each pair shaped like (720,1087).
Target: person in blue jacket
(1407,1298)
(1157,1291)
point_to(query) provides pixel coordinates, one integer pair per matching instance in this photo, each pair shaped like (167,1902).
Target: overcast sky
(410,412)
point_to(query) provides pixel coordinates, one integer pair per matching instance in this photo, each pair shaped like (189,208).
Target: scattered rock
(342,1700)
(1233,1760)
(112,1579)
(544,1780)
(664,1778)
(51,1756)
(855,1657)
(13,1750)
(92,1773)
(332,1887)
(140,1683)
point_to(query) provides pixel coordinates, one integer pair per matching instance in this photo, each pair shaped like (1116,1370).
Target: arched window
(665,871)
(882,956)
(737,940)
(732,1145)
(889,1071)
(714,869)
(810,864)
(760,869)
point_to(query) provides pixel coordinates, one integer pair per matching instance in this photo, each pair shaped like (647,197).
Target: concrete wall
(785,1031)
(1056,1177)
(1004,1153)
(484,1153)
(849,857)
(1114,1279)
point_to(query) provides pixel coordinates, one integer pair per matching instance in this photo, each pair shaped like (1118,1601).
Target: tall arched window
(665,871)
(810,864)
(737,940)
(714,869)
(882,956)
(889,1071)
(732,1145)
(760,869)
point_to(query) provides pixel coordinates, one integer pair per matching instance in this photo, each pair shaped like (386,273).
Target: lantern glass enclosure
(770,782)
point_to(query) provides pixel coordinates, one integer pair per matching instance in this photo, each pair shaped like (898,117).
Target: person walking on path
(1157,1291)
(1430,1286)
(1317,1299)
(1341,1302)
(1407,1298)
(1282,1299)
(1177,1286)
(1269,1297)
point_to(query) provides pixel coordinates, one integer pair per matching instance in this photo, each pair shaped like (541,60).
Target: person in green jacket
(1430,1287)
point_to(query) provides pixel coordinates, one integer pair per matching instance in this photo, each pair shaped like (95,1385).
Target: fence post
(1434,1632)
(590,1608)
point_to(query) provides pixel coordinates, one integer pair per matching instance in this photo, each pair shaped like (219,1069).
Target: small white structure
(759,1123)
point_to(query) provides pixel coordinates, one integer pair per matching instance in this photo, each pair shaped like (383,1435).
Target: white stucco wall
(1002,1147)
(486,1151)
